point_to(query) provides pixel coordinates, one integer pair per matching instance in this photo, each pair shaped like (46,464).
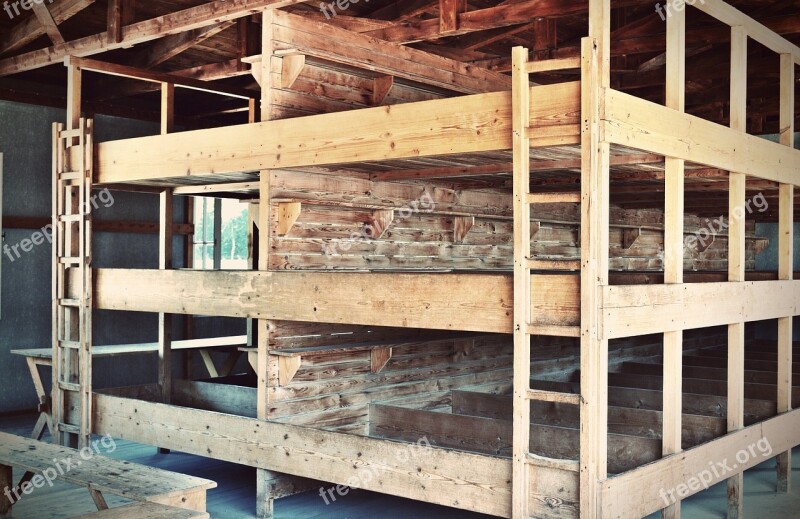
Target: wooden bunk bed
(515,431)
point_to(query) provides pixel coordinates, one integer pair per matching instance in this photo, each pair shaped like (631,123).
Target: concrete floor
(235,496)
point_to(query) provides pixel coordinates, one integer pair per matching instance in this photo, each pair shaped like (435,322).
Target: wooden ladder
(523,460)
(72,284)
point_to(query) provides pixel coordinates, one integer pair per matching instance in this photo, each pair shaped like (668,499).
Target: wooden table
(44,357)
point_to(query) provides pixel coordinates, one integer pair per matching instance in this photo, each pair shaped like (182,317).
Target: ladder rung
(70,345)
(75,303)
(69,428)
(553,396)
(69,260)
(70,217)
(68,386)
(69,175)
(542,264)
(70,134)
(553,463)
(553,198)
(554,330)
(550,65)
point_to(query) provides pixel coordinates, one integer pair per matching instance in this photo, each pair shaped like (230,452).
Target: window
(220,234)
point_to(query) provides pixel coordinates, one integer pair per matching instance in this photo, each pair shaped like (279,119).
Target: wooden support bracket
(287,368)
(462,348)
(535,226)
(630,237)
(379,222)
(381,86)
(291,68)
(379,357)
(288,212)
(462,226)
(702,245)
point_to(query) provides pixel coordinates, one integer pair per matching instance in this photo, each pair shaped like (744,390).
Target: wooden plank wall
(329,232)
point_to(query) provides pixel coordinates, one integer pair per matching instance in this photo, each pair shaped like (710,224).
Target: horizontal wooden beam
(476,123)
(728,14)
(460,480)
(641,310)
(642,491)
(210,13)
(120,226)
(473,303)
(492,436)
(646,126)
(113,69)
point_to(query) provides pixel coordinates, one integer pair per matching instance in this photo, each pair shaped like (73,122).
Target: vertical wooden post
(74,86)
(167,108)
(264,502)
(165,320)
(594,276)
(736,259)
(522,281)
(785,264)
(673,246)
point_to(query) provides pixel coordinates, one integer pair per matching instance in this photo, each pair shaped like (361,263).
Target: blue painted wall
(25,141)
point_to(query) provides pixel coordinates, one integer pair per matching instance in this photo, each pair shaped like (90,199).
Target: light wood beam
(165,319)
(594,265)
(167,108)
(786,207)
(736,260)
(673,247)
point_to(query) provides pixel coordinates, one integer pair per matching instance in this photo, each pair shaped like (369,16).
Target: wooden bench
(99,474)
(145,511)
(44,357)
(290,359)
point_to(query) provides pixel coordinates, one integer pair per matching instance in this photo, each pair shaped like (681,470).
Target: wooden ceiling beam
(655,43)
(503,15)
(48,23)
(29,29)
(141,32)
(170,46)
